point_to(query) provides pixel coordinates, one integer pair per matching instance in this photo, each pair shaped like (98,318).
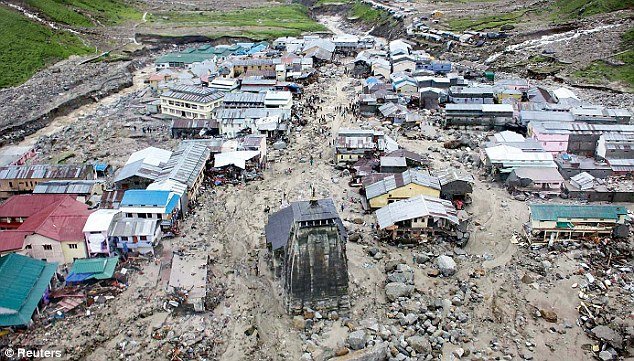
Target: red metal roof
(12,240)
(25,205)
(63,221)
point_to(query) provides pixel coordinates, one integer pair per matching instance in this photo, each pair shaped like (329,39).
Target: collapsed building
(307,241)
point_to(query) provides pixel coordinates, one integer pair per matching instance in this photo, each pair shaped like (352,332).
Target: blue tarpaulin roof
(100,167)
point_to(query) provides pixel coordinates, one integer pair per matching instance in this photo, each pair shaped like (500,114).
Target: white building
(278,99)
(96,230)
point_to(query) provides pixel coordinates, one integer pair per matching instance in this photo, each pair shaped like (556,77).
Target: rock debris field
(495,299)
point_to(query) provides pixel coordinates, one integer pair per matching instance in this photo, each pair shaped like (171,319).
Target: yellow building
(401,186)
(49,249)
(509,94)
(557,221)
(191,102)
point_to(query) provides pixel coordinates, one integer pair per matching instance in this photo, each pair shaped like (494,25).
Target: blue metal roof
(150,198)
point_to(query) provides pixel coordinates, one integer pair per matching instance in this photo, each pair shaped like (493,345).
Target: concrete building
(55,233)
(96,231)
(541,180)
(574,137)
(135,234)
(353,144)
(560,221)
(190,102)
(483,115)
(163,206)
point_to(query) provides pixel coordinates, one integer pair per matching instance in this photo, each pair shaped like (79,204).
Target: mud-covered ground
(511,283)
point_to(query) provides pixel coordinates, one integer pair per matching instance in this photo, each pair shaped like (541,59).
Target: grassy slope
(600,71)
(485,22)
(560,10)
(106,11)
(579,8)
(61,13)
(27,47)
(328,2)
(78,13)
(256,23)
(365,12)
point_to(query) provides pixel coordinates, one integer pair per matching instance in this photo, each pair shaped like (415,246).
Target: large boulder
(420,344)
(446,265)
(394,290)
(608,335)
(377,352)
(356,340)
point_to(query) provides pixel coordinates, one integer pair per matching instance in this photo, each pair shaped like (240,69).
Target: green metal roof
(95,268)
(553,212)
(23,282)
(195,55)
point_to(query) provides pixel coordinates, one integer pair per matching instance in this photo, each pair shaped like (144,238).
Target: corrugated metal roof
(139,169)
(446,176)
(93,268)
(186,163)
(416,207)
(128,227)
(554,212)
(583,180)
(149,198)
(539,174)
(237,158)
(224,114)
(243,98)
(399,180)
(23,281)
(66,187)
(193,94)
(45,171)
(169,185)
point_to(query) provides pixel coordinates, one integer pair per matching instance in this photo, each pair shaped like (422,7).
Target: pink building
(553,142)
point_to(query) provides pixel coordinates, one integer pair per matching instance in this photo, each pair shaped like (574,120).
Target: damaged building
(307,240)
(549,222)
(419,218)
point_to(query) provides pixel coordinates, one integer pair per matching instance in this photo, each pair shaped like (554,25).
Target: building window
(124,239)
(47,247)
(72,246)
(143,238)
(129,215)
(28,246)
